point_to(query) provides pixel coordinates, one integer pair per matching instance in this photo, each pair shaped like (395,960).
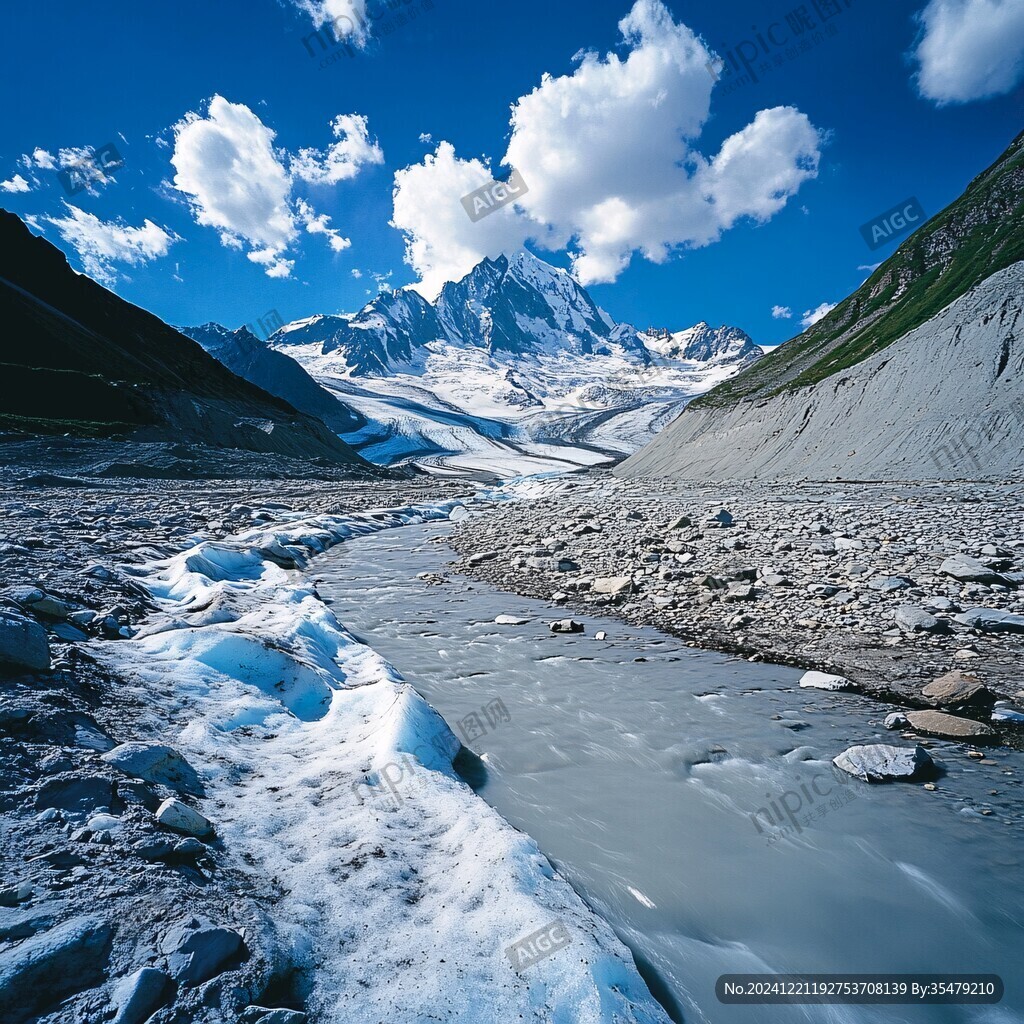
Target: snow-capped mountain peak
(704,343)
(513,366)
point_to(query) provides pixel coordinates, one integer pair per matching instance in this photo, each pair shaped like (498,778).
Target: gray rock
(912,619)
(566,626)
(613,585)
(80,794)
(957,690)
(198,952)
(174,814)
(23,642)
(12,895)
(969,570)
(140,995)
(510,620)
(991,620)
(887,584)
(896,720)
(154,762)
(52,965)
(882,762)
(949,727)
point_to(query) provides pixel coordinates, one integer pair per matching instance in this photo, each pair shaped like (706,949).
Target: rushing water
(648,772)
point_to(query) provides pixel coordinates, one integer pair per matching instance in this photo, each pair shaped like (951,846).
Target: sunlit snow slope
(511,370)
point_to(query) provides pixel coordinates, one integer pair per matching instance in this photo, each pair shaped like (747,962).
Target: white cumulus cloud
(347,18)
(102,244)
(343,159)
(782,313)
(15,184)
(240,184)
(610,156)
(970,49)
(441,242)
(812,316)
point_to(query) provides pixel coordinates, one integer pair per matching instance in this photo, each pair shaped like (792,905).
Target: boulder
(958,690)
(154,762)
(882,762)
(991,620)
(949,727)
(174,814)
(199,951)
(140,995)
(916,620)
(76,793)
(566,626)
(23,642)
(888,584)
(613,585)
(969,570)
(896,720)
(52,965)
(824,681)
(510,620)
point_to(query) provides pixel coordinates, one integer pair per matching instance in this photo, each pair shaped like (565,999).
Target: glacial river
(651,774)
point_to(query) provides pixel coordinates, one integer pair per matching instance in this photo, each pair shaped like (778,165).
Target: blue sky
(904,98)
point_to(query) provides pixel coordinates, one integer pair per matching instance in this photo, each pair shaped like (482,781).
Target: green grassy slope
(978,235)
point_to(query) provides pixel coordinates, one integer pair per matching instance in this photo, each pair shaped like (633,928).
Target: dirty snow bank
(329,775)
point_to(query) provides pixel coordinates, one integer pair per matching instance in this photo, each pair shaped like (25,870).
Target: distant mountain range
(513,368)
(77,360)
(919,374)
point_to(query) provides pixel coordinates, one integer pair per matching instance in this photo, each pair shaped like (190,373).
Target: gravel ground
(843,578)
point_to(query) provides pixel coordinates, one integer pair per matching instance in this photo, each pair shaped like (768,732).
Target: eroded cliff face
(946,401)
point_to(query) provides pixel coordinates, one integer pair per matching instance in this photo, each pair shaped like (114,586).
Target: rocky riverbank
(117,900)
(887,586)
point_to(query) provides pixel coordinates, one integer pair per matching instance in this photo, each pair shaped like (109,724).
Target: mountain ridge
(80,360)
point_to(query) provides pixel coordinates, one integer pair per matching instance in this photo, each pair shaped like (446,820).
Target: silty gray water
(649,773)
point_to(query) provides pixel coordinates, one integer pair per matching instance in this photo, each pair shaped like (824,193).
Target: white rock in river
(174,814)
(824,681)
(613,585)
(510,620)
(566,626)
(1005,712)
(881,762)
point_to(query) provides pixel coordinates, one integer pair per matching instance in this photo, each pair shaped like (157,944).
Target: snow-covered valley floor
(397,910)
(462,409)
